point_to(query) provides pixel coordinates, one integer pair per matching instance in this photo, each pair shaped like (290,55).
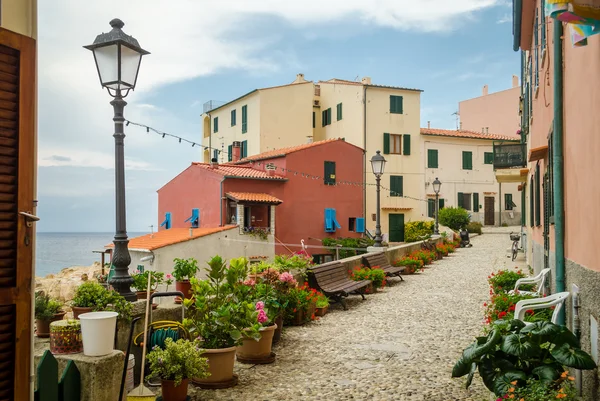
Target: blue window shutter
(360,224)
(329,228)
(335,220)
(167,222)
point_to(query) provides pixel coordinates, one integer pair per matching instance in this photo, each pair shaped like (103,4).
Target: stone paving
(398,344)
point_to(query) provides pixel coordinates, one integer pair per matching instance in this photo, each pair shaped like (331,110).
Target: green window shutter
(339,111)
(531,203)
(323,118)
(329,173)
(488,158)
(467,160)
(244,150)
(396,185)
(461,199)
(508,202)
(538,220)
(314,119)
(386,144)
(430,207)
(475,202)
(441,203)
(432,158)
(396,105)
(406,144)
(244,119)
(216,124)
(329,116)
(229,153)
(233,117)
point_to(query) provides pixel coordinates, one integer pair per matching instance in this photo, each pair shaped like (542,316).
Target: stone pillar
(272,222)
(240,217)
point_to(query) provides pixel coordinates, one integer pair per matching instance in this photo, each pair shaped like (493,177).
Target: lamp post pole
(121,258)
(378,239)
(436,230)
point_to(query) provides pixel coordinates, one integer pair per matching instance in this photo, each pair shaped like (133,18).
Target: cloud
(506,18)
(84,158)
(57,158)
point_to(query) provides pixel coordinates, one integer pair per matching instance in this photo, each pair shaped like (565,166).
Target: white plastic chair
(557,300)
(539,281)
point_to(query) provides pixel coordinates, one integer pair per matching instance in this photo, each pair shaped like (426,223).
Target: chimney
(515,81)
(428,124)
(236,150)
(214,163)
(309,139)
(486,130)
(299,78)
(485,90)
(366,81)
(461,125)
(482,130)
(191,232)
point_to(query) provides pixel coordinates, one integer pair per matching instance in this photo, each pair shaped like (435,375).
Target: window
(244,150)
(331,222)
(508,202)
(216,124)
(244,119)
(488,158)
(326,117)
(215,155)
(406,144)
(432,158)
(229,153)
(536,51)
(339,111)
(352,224)
(233,117)
(392,144)
(430,207)
(543,24)
(396,185)
(476,202)
(314,119)
(329,175)
(538,220)
(467,160)
(464,200)
(396,104)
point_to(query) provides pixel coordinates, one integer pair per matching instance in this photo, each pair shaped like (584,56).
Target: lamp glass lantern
(436,186)
(378,164)
(118,57)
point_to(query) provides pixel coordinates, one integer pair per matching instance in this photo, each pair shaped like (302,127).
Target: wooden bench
(371,260)
(333,280)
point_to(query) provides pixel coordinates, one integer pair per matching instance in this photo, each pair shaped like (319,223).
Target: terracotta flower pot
(277,334)
(220,367)
(170,392)
(79,310)
(43,326)
(310,313)
(142,294)
(185,287)
(298,319)
(321,311)
(257,350)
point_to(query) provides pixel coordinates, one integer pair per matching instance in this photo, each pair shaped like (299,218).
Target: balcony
(510,155)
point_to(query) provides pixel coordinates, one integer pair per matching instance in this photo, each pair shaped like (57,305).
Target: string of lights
(282,169)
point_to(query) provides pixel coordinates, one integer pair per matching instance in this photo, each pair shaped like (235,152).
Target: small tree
(454,217)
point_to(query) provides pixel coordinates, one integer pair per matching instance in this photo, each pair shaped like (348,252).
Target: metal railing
(510,155)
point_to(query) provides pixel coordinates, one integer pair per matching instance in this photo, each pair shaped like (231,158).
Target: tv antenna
(457,118)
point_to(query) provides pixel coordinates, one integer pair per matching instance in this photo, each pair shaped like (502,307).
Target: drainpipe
(221,200)
(365,152)
(557,148)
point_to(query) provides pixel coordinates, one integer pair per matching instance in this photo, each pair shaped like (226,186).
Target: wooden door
(489,211)
(17,167)
(396,224)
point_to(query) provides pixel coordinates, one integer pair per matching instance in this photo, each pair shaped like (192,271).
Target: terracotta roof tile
(271,154)
(230,170)
(171,236)
(253,197)
(467,134)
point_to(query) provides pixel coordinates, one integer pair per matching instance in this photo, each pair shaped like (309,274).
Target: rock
(63,284)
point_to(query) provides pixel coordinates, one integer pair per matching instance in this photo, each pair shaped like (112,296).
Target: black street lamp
(436,188)
(118,57)
(378,166)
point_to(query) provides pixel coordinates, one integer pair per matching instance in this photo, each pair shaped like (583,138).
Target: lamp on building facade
(436,188)
(118,57)
(378,166)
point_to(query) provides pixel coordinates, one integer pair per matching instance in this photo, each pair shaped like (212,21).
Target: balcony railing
(510,155)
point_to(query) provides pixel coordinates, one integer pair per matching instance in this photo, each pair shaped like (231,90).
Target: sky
(205,50)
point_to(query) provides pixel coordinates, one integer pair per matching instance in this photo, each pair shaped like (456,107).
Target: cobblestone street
(398,344)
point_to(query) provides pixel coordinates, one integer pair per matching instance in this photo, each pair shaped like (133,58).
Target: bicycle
(426,244)
(515,245)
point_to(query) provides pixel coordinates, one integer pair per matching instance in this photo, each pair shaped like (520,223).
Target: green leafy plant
(475,227)
(258,232)
(46,307)
(178,360)
(140,280)
(185,269)
(453,217)
(412,264)
(262,266)
(221,312)
(375,274)
(299,299)
(322,301)
(538,390)
(513,353)
(504,281)
(502,306)
(418,230)
(348,243)
(93,295)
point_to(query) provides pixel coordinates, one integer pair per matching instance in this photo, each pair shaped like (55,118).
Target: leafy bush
(299,299)
(504,281)
(45,306)
(412,264)
(475,227)
(185,269)
(453,217)
(513,353)
(140,280)
(93,295)
(179,360)
(425,256)
(538,390)
(375,274)
(502,306)
(348,243)
(417,230)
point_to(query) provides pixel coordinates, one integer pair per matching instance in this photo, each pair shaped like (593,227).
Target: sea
(56,251)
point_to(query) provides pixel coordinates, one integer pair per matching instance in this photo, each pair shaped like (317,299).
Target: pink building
(306,192)
(560,122)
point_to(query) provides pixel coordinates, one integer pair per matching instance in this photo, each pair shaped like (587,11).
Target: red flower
(501,314)
(485,304)
(530,312)
(511,308)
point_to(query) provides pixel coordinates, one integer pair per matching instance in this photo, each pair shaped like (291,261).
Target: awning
(512,175)
(539,153)
(396,208)
(253,197)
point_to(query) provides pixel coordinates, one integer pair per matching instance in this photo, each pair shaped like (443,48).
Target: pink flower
(287,278)
(250,282)
(260,305)
(262,317)
(169,277)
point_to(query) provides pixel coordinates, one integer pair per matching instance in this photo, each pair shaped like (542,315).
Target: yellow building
(18,142)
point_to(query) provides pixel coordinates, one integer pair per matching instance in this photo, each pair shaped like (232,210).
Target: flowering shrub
(322,301)
(375,274)
(299,300)
(502,307)
(179,360)
(411,263)
(442,249)
(504,281)
(538,390)
(425,256)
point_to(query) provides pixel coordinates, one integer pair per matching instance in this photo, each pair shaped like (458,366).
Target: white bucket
(98,332)
(129,377)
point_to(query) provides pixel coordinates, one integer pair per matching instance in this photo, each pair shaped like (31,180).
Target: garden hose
(162,330)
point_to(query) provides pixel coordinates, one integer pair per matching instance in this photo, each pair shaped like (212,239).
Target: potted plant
(183,271)
(412,264)
(375,274)
(175,365)
(91,297)
(258,351)
(218,314)
(140,282)
(102,279)
(322,305)
(47,310)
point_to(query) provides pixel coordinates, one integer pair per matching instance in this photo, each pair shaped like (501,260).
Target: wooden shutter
(17,169)
(216,124)
(329,116)
(244,150)
(432,158)
(396,185)
(329,173)
(230,153)
(396,104)
(406,138)
(475,202)
(531,203)
(430,207)
(360,224)
(467,160)
(244,119)
(461,200)
(386,144)
(329,227)
(314,119)
(339,111)
(233,117)
(538,220)
(441,204)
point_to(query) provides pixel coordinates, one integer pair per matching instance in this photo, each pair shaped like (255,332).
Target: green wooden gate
(48,386)
(396,224)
